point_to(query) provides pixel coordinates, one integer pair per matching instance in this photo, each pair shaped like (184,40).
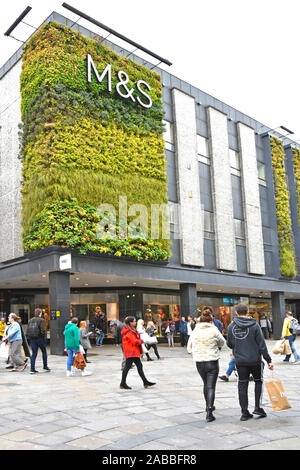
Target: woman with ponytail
(204,344)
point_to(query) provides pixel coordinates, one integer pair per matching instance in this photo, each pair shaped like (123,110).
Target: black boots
(149,384)
(209,415)
(125,387)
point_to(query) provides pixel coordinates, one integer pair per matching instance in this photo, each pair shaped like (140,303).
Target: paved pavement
(51,411)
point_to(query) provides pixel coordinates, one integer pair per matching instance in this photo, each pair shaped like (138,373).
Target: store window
(169,135)
(223,308)
(160,308)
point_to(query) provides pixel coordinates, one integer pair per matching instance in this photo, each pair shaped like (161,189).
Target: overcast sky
(243,52)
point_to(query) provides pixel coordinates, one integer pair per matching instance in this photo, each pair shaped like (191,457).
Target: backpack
(294,326)
(33,330)
(172,326)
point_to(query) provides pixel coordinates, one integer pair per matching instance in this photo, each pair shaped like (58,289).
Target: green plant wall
(85,146)
(284,223)
(296,161)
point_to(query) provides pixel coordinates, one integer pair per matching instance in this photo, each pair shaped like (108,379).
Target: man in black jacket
(248,345)
(37,336)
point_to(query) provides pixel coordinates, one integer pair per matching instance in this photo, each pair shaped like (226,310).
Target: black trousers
(208,371)
(243,381)
(183,339)
(154,346)
(139,366)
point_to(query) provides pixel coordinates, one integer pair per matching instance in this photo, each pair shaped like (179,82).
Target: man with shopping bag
(245,338)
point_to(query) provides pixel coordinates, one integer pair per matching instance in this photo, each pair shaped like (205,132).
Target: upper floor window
(169,135)
(261,170)
(234,159)
(209,231)
(202,149)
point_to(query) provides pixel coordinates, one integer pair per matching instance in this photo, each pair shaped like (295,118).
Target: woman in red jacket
(132,347)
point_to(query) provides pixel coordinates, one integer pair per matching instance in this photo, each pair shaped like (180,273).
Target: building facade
(88,137)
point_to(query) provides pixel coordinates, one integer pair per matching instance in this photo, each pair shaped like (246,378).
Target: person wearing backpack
(288,328)
(37,336)
(170,331)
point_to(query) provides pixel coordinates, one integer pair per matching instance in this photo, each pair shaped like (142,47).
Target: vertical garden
(84,145)
(284,223)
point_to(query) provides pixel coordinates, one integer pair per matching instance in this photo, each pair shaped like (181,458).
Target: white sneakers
(72,373)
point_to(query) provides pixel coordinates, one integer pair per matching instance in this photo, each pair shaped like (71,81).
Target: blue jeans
(35,345)
(99,339)
(71,357)
(231,366)
(291,340)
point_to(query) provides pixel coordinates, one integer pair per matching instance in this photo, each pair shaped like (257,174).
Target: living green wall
(85,146)
(284,223)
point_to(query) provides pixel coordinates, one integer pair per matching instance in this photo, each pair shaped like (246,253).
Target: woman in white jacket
(205,343)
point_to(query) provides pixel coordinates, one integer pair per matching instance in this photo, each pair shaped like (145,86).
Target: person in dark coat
(132,348)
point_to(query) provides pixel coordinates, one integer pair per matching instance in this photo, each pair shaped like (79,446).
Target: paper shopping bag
(287,348)
(277,395)
(279,347)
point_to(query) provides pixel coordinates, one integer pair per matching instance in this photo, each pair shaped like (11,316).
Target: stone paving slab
(52,411)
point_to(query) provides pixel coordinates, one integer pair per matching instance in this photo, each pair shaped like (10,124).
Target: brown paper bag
(279,347)
(277,395)
(287,348)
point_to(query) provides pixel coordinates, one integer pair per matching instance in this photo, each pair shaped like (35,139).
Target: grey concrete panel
(252,212)
(222,191)
(188,180)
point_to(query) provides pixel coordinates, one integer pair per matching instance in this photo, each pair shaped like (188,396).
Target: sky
(243,52)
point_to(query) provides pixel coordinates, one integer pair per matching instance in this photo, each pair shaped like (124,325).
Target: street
(49,411)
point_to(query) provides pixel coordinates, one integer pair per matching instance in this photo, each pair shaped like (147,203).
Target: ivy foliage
(69,224)
(284,224)
(80,142)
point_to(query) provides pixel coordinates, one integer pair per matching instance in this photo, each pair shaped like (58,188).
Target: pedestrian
(37,336)
(140,328)
(72,341)
(132,347)
(287,333)
(248,345)
(151,330)
(170,332)
(269,325)
(183,331)
(217,323)
(118,340)
(14,337)
(2,327)
(84,339)
(264,326)
(231,368)
(205,344)
(190,326)
(98,325)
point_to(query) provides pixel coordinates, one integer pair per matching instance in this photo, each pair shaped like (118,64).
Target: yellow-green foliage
(284,224)
(82,143)
(296,160)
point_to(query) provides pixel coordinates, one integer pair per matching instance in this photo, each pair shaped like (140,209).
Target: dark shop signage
(121,88)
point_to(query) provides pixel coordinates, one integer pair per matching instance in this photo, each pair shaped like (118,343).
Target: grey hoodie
(245,338)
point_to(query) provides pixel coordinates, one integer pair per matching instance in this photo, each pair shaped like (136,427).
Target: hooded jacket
(72,336)
(245,338)
(132,342)
(205,342)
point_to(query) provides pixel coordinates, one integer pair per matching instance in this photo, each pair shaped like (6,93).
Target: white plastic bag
(4,350)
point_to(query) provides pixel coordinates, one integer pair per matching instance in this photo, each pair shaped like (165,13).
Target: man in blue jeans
(37,335)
